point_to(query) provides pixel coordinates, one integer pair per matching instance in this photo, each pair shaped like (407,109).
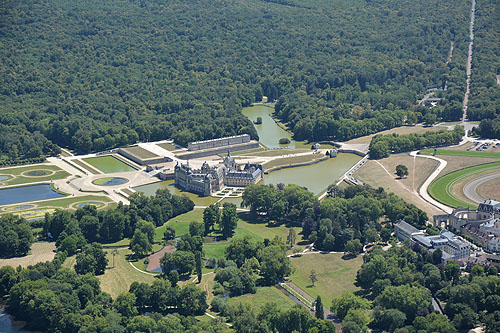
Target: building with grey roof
(453,247)
(208,180)
(405,231)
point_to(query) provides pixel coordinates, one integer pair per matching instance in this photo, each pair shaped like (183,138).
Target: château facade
(208,180)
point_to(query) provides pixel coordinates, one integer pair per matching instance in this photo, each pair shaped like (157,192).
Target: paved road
(423,189)
(470,189)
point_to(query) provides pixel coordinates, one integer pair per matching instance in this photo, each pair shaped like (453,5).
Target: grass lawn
(250,152)
(292,160)
(167,146)
(65,203)
(117,279)
(247,226)
(108,164)
(103,181)
(180,223)
(16,177)
(262,296)
(462,153)
(69,262)
(440,189)
(49,206)
(127,191)
(85,166)
(121,243)
(40,252)
(140,152)
(335,275)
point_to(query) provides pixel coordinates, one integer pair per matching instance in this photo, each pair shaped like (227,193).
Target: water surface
(315,177)
(269,131)
(27,193)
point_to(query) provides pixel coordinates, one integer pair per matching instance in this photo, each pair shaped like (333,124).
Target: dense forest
(382,145)
(76,230)
(16,236)
(347,216)
(484,101)
(95,75)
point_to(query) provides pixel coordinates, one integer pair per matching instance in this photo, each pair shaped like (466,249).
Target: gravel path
(423,189)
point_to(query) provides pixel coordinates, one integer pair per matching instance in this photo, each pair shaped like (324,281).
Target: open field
(490,189)
(335,275)
(108,164)
(21,175)
(457,189)
(140,152)
(292,160)
(262,296)
(117,280)
(167,146)
(419,169)
(85,166)
(40,252)
(471,153)
(180,223)
(246,227)
(419,129)
(440,189)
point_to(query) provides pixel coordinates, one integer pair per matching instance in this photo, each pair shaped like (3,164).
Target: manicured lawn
(85,166)
(140,152)
(440,189)
(292,160)
(34,167)
(54,173)
(167,146)
(65,203)
(127,191)
(250,152)
(108,164)
(180,223)
(262,296)
(462,153)
(335,275)
(109,181)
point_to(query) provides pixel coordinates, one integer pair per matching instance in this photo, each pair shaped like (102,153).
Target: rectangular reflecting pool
(108,164)
(27,193)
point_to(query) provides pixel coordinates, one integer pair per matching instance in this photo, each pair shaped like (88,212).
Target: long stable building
(208,180)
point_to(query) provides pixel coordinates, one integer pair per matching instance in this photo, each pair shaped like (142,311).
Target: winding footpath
(423,189)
